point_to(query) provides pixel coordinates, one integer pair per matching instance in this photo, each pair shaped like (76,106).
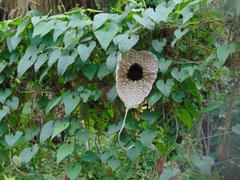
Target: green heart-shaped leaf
(188,11)
(163,11)
(85,95)
(184,116)
(28,153)
(179,33)
(203,163)
(11,139)
(158,45)
(4,94)
(114,163)
(178,96)
(153,15)
(135,151)
(106,33)
(17,161)
(165,88)
(147,136)
(63,151)
(112,61)
(223,52)
(84,51)
(90,156)
(154,97)
(72,170)
(164,65)
(13,103)
(103,71)
(59,128)
(90,70)
(236,128)
(4,111)
(64,61)
(150,116)
(83,135)
(179,76)
(47,131)
(124,42)
(71,103)
(145,21)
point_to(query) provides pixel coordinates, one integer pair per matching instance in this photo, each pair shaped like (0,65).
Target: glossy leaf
(211,106)
(125,42)
(4,95)
(28,59)
(114,163)
(47,131)
(236,128)
(59,28)
(38,29)
(4,111)
(179,75)
(64,61)
(223,52)
(22,26)
(184,116)
(48,27)
(151,117)
(145,21)
(15,40)
(72,170)
(53,103)
(99,19)
(90,156)
(112,94)
(41,59)
(158,45)
(168,173)
(111,61)
(28,153)
(135,151)
(188,11)
(165,88)
(179,33)
(83,135)
(163,64)
(153,15)
(154,97)
(63,151)
(147,136)
(71,103)
(103,71)
(192,109)
(84,51)
(204,163)
(12,139)
(59,128)
(106,33)
(13,103)
(90,70)
(163,11)
(55,55)
(178,96)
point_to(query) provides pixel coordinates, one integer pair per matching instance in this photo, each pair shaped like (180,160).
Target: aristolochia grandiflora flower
(136,72)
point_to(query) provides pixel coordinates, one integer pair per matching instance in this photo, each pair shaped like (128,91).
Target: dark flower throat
(135,72)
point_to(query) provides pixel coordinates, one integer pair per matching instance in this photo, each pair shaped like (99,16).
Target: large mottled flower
(136,72)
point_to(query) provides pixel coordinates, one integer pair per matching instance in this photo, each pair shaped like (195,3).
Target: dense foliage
(59,109)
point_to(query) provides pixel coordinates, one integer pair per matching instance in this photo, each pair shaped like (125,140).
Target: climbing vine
(59,108)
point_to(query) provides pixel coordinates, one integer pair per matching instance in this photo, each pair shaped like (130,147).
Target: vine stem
(119,133)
